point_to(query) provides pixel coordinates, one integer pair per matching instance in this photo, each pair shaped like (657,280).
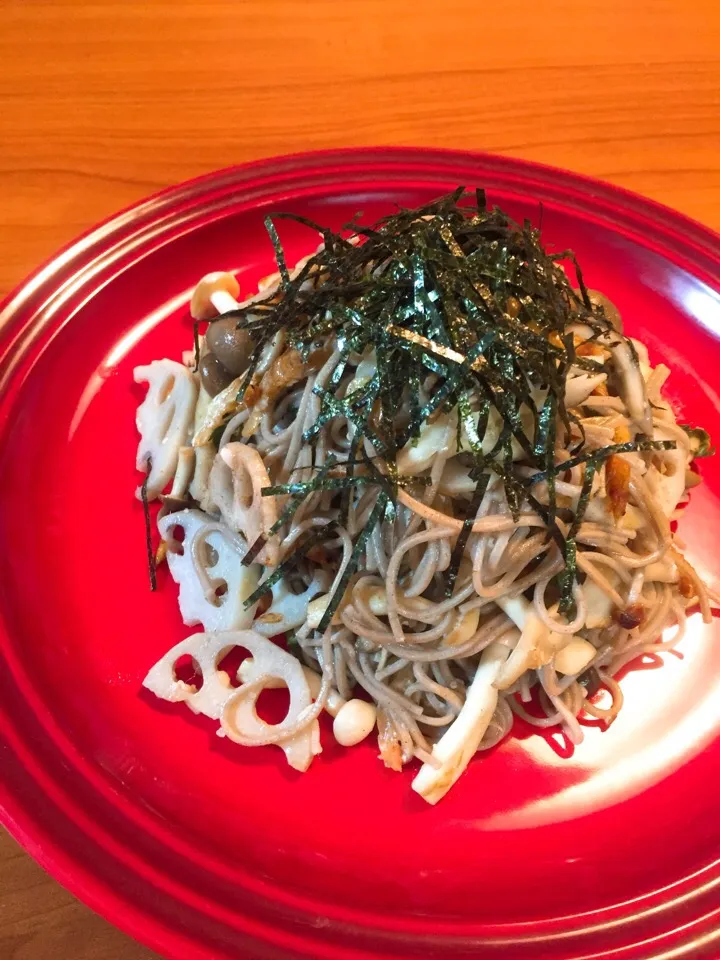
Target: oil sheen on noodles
(435,466)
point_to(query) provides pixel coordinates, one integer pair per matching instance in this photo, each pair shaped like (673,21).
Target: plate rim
(689,238)
(705,238)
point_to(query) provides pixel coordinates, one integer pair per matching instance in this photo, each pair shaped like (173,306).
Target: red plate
(203,849)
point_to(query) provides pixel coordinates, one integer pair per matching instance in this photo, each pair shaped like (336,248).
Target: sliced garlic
(465,627)
(598,603)
(455,748)
(574,657)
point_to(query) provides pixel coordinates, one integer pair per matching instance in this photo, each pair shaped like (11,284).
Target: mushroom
(213,582)
(163,420)
(215,293)
(237,479)
(631,381)
(536,646)
(201,408)
(354,719)
(455,748)
(231,345)
(235,707)
(214,376)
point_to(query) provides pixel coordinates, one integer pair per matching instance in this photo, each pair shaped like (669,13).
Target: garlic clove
(574,657)
(355,720)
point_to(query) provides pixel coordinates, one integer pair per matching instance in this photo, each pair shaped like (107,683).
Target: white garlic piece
(465,627)
(354,721)
(316,611)
(574,657)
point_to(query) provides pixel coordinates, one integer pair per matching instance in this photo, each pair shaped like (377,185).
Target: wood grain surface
(103,102)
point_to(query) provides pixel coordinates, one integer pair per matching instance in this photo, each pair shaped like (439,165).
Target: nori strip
(253,551)
(290,562)
(455,292)
(377,512)
(279,255)
(148,527)
(196,343)
(461,542)
(602,453)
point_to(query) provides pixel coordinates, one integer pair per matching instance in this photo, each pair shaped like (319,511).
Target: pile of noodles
(398,633)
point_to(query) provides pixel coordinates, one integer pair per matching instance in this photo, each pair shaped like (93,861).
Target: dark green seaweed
(456,291)
(148,527)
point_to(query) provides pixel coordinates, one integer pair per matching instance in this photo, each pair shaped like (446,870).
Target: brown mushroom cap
(231,346)
(214,376)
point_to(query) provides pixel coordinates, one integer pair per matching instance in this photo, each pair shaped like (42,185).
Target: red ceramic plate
(203,849)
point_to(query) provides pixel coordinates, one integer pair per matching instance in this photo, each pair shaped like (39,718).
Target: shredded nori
(458,292)
(253,551)
(148,527)
(290,562)
(196,344)
(460,543)
(378,512)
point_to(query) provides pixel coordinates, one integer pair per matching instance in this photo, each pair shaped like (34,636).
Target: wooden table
(103,102)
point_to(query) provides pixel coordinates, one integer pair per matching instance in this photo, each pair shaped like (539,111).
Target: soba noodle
(435,648)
